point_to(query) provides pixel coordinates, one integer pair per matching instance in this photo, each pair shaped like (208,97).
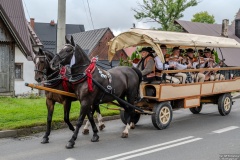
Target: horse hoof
(124,135)
(85,131)
(70,145)
(72,129)
(45,140)
(95,138)
(101,127)
(132,126)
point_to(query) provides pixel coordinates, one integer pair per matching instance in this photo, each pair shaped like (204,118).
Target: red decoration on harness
(64,78)
(89,72)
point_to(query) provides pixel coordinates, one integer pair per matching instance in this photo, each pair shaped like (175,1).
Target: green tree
(203,17)
(163,12)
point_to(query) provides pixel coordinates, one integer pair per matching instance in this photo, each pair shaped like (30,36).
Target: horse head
(65,55)
(42,66)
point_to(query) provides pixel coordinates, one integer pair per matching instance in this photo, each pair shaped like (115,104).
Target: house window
(18,70)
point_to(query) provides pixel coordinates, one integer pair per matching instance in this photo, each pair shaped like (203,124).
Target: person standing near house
(146,65)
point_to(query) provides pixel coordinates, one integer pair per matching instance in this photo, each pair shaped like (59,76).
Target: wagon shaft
(51,90)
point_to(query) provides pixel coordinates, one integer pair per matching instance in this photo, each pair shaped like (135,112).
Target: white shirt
(159,64)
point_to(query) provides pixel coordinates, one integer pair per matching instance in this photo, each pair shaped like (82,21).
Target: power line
(26,9)
(90,14)
(86,12)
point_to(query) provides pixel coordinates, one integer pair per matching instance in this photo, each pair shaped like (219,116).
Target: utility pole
(61,24)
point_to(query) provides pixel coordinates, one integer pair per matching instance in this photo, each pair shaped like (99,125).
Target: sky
(118,14)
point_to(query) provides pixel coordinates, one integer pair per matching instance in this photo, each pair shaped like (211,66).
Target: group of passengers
(151,66)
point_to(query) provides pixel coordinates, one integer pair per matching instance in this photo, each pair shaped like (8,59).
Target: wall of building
(28,74)
(102,48)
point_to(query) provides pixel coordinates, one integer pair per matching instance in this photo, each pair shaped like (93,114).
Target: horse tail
(139,73)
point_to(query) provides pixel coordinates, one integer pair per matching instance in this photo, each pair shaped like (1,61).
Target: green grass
(22,112)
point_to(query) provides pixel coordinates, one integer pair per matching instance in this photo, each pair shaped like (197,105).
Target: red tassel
(64,78)
(89,80)
(64,84)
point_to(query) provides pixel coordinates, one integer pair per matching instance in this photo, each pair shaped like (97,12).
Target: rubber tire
(123,117)
(196,110)
(221,100)
(155,117)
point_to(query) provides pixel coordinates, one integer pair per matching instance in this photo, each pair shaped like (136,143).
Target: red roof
(129,50)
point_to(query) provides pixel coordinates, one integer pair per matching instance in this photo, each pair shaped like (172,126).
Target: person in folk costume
(197,77)
(215,76)
(163,66)
(175,54)
(147,65)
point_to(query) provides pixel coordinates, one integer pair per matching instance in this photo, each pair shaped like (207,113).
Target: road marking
(146,148)
(70,158)
(225,129)
(159,149)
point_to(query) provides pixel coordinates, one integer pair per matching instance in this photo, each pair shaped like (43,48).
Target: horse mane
(80,50)
(48,53)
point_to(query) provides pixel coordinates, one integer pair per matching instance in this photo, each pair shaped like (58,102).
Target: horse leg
(85,129)
(130,113)
(125,132)
(83,112)
(50,107)
(101,125)
(67,107)
(95,137)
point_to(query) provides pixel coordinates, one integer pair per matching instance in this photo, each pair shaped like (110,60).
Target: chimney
(237,27)
(225,28)
(52,23)
(32,23)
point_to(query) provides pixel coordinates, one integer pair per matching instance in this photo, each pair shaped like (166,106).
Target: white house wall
(28,74)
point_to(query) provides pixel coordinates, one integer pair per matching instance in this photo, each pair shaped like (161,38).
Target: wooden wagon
(160,97)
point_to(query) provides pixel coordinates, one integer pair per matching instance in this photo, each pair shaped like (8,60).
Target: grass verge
(23,112)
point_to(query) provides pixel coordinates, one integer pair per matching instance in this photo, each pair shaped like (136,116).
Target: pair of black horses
(92,86)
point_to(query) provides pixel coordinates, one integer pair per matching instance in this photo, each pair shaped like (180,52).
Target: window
(18,70)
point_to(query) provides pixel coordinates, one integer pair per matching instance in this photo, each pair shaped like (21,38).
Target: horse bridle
(73,53)
(44,71)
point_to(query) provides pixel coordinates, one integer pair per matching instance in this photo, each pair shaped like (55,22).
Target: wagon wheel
(225,104)
(123,116)
(196,110)
(162,116)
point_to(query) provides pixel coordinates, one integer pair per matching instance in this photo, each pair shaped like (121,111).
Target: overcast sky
(118,14)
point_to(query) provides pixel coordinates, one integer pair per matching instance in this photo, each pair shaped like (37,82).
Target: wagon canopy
(154,38)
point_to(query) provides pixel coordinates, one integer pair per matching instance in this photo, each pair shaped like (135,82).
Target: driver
(146,65)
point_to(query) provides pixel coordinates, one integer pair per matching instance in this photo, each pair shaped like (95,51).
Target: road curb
(37,129)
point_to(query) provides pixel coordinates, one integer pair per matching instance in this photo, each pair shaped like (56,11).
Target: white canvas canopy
(154,38)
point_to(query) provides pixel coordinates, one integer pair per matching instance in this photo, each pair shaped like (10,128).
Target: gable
(89,39)
(12,13)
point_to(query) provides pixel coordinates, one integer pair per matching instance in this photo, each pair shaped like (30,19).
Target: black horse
(92,86)
(53,80)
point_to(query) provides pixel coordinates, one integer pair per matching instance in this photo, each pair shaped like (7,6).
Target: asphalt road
(206,136)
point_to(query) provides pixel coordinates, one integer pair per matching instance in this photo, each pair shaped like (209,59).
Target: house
(16,55)
(47,32)
(231,55)
(94,43)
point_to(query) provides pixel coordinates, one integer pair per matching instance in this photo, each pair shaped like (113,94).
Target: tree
(163,12)
(203,17)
